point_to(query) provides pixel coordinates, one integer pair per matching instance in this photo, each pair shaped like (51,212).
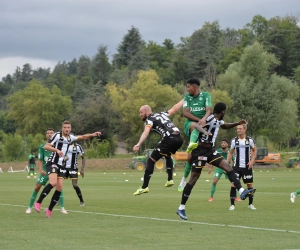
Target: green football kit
(197,105)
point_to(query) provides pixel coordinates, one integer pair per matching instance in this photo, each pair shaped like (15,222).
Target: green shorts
(31,166)
(43,179)
(218,173)
(186,127)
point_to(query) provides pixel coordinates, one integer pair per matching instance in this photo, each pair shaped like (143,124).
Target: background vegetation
(255,70)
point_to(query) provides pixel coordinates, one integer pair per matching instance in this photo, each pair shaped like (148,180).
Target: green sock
(62,199)
(213,190)
(297,192)
(187,170)
(194,135)
(28,172)
(32,198)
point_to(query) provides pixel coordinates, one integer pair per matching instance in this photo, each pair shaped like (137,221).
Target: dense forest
(254,70)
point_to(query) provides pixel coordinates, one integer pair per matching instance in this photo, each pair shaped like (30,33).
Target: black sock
(169,167)
(234,179)
(250,198)
(170,173)
(54,199)
(78,192)
(44,193)
(148,172)
(186,193)
(232,195)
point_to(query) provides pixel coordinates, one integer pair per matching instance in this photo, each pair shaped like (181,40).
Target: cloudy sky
(43,32)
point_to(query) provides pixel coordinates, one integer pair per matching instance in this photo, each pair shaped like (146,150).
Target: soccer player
(43,176)
(31,163)
(224,151)
(170,142)
(72,168)
(58,144)
(196,108)
(244,148)
(205,153)
(294,195)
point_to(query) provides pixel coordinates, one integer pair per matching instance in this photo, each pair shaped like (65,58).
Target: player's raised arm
(175,108)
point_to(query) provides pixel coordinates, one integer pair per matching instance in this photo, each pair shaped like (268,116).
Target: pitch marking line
(170,220)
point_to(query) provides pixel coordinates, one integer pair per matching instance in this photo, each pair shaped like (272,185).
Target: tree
(100,66)
(132,43)
(36,108)
(260,97)
(104,118)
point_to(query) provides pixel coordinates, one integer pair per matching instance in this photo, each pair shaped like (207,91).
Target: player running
(43,176)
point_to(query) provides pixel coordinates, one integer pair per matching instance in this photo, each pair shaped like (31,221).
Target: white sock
(241,190)
(181,207)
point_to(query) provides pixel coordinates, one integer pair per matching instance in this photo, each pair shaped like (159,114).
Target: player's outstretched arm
(234,124)
(88,136)
(142,138)
(175,108)
(202,130)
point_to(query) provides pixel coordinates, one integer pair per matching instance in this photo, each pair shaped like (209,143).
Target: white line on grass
(178,221)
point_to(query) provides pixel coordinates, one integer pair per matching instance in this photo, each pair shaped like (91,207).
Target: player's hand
(243,122)
(136,148)
(43,173)
(202,122)
(250,164)
(96,134)
(82,173)
(60,153)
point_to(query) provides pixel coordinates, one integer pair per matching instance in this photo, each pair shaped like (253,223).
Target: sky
(45,32)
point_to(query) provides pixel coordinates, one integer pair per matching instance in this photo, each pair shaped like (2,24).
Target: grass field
(115,219)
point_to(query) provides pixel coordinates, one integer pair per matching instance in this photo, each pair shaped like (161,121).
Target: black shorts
(71,173)
(244,173)
(167,146)
(202,155)
(53,168)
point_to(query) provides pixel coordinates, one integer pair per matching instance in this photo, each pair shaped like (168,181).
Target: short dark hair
(219,107)
(224,140)
(193,81)
(50,129)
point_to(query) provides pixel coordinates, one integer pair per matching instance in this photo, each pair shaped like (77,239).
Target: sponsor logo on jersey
(247,177)
(62,171)
(195,109)
(202,158)
(72,172)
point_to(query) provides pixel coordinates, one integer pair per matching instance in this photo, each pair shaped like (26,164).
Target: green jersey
(197,104)
(44,155)
(224,154)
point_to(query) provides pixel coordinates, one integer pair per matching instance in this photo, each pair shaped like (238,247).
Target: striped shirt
(242,149)
(161,124)
(73,152)
(212,125)
(61,143)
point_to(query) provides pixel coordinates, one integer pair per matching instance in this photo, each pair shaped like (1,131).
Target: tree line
(254,70)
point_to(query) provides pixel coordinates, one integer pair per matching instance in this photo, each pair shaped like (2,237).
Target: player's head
(145,111)
(49,133)
(241,129)
(192,86)
(224,143)
(66,128)
(219,110)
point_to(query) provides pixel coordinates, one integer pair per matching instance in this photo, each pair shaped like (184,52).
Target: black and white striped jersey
(212,125)
(242,149)
(73,152)
(161,124)
(61,143)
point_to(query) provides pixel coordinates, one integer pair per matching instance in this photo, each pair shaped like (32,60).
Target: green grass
(115,219)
